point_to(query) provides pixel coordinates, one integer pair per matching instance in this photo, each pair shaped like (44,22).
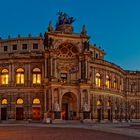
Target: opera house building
(60,74)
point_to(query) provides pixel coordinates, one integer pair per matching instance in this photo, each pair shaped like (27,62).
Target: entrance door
(99,114)
(65,111)
(109,114)
(19,113)
(36,115)
(69,107)
(3,113)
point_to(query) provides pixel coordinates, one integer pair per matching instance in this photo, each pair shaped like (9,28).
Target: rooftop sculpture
(64,18)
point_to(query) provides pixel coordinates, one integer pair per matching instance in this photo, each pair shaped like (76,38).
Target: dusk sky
(112,24)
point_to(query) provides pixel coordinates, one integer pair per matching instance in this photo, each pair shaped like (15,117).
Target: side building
(62,74)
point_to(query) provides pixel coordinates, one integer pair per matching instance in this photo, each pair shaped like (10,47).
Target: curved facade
(62,74)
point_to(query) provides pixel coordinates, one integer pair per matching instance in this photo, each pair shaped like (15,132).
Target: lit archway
(4,104)
(36,109)
(69,106)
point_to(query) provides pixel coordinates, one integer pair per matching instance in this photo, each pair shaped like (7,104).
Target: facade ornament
(84,31)
(50,27)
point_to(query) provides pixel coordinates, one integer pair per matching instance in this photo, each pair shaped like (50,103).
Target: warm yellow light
(20,101)
(98,80)
(4,102)
(4,78)
(98,103)
(20,78)
(36,78)
(36,101)
(107,82)
(108,104)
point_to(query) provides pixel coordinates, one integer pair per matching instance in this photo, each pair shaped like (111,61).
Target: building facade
(63,74)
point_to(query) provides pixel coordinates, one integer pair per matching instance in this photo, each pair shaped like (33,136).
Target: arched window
(4,102)
(4,77)
(115,83)
(36,101)
(36,76)
(107,81)
(20,76)
(19,101)
(98,79)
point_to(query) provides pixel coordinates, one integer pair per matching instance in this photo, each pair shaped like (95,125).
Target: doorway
(69,106)
(36,113)
(19,113)
(3,113)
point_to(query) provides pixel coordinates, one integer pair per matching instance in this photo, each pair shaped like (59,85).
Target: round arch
(69,106)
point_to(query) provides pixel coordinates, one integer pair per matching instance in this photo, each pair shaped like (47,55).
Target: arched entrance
(4,104)
(19,109)
(36,109)
(109,111)
(99,110)
(69,106)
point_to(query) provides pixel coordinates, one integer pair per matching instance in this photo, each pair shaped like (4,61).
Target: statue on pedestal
(56,107)
(85,107)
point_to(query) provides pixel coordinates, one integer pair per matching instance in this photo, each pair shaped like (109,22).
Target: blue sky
(112,24)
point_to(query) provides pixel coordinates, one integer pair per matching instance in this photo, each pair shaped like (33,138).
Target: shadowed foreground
(43,133)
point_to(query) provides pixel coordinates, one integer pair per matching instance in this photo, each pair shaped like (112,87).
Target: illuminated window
(4,102)
(108,104)
(98,79)
(19,101)
(36,101)
(121,84)
(115,83)
(98,103)
(107,81)
(36,76)
(20,76)
(4,77)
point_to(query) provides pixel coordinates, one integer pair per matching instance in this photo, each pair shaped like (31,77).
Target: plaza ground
(69,131)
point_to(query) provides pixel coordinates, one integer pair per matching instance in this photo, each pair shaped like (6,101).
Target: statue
(50,27)
(86,45)
(56,107)
(84,31)
(85,107)
(64,18)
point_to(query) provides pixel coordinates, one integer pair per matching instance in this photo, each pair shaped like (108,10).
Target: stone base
(135,120)
(87,121)
(115,121)
(47,121)
(57,121)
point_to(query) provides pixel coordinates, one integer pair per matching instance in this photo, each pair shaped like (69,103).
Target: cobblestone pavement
(41,132)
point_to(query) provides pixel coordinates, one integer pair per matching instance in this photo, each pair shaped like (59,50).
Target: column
(45,102)
(13,74)
(45,68)
(10,73)
(29,74)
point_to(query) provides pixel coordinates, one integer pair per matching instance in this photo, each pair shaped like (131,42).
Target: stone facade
(62,74)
